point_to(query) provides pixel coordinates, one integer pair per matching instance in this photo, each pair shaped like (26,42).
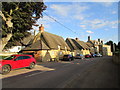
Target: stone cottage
(77,46)
(47,46)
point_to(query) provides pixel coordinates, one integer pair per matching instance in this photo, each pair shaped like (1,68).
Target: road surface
(99,72)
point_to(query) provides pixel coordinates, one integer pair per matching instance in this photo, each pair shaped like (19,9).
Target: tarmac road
(97,72)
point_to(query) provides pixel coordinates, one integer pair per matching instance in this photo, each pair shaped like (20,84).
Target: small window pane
(26,57)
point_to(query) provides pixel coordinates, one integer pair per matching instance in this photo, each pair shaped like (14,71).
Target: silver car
(79,56)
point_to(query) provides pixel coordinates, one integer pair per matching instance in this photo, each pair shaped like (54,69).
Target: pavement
(25,70)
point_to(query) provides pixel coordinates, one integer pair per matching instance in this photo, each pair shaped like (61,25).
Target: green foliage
(21,13)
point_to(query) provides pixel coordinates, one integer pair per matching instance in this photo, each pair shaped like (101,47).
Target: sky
(81,19)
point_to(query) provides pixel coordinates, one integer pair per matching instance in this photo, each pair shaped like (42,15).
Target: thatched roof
(76,44)
(83,44)
(53,41)
(89,44)
(49,41)
(38,45)
(27,40)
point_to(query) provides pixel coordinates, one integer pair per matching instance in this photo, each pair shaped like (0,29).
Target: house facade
(46,46)
(97,46)
(107,50)
(77,46)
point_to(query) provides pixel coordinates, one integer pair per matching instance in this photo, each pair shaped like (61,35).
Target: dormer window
(59,47)
(65,48)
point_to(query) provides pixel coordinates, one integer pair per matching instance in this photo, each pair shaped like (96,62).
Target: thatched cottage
(77,46)
(47,46)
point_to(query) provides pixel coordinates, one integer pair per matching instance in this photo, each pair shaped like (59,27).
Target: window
(22,57)
(9,58)
(59,47)
(19,58)
(26,57)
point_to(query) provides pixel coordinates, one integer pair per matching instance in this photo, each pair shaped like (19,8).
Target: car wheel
(6,69)
(32,65)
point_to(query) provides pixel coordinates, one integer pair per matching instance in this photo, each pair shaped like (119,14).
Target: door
(18,62)
(26,61)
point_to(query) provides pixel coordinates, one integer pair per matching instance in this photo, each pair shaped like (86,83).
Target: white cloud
(89,32)
(60,9)
(79,17)
(114,12)
(81,0)
(107,4)
(106,29)
(72,10)
(114,26)
(83,26)
(98,23)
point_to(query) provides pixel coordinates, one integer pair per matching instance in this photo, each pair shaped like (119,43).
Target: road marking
(35,74)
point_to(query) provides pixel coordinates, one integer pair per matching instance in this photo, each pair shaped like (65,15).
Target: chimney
(98,40)
(101,41)
(77,39)
(88,38)
(41,28)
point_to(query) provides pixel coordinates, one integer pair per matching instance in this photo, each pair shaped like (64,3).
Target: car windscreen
(9,58)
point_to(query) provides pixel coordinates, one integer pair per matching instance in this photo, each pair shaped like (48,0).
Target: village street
(99,72)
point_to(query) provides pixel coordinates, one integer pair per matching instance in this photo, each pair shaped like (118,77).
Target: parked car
(99,55)
(16,61)
(94,55)
(79,56)
(88,56)
(68,57)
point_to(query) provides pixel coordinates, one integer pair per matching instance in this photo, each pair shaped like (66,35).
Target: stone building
(47,46)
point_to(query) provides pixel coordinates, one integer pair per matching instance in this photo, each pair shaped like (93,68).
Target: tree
(111,44)
(119,45)
(18,20)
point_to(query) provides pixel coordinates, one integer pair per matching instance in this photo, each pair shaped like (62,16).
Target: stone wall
(7,53)
(116,58)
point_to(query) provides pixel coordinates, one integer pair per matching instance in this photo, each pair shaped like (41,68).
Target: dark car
(68,57)
(88,56)
(79,56)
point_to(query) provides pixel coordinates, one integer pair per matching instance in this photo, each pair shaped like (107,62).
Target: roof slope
(89,44)
(38,45)
(53,41)
(47,40)
(76,44)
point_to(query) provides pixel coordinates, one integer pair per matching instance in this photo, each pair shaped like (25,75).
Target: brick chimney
(101,41)
(88,38)
(77,39)
(98,40)
(41,28)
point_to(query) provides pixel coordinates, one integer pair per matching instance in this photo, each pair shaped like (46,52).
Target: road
(97,72)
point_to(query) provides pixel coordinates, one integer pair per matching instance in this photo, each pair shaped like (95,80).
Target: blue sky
(97,19)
